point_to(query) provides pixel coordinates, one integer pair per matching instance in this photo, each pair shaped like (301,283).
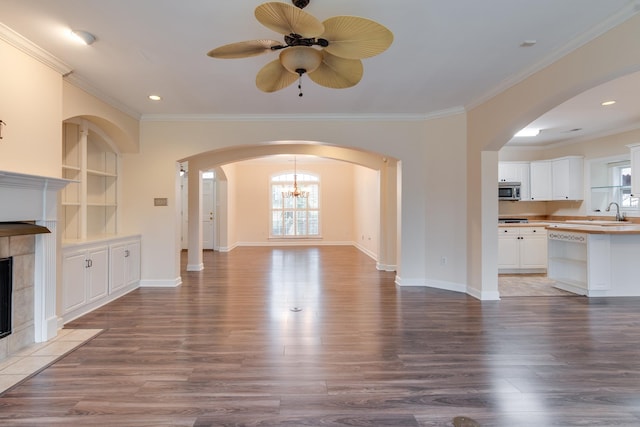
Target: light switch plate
(160,201)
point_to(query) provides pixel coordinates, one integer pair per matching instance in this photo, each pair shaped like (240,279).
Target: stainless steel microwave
(508,191)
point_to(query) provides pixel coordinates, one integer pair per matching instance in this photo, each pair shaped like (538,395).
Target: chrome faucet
(619,216)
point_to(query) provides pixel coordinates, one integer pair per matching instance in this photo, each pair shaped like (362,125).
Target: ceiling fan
(329,52)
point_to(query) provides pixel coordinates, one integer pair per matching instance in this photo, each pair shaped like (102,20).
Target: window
(622,178)
(295,216)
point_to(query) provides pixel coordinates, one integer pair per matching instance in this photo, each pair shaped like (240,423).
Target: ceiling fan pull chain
(300,84)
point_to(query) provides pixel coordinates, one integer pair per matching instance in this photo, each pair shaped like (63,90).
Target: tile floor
(37,356)
(528,285)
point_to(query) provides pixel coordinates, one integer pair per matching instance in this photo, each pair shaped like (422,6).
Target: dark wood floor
(226,349)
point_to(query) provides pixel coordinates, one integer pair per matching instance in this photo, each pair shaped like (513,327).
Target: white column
(44,295)
(194,256)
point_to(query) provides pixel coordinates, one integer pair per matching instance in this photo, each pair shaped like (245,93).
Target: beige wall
(336,203)
(30,105)
(366,205)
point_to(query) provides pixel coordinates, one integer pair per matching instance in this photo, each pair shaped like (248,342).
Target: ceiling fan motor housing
(300,3)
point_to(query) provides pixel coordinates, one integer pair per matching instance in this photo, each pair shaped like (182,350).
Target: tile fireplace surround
(22,249)
(30,198)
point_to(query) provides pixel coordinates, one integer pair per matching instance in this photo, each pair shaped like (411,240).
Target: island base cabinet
(580,262)
(94,274)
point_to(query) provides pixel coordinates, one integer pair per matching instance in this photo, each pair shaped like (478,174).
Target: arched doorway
(387,168)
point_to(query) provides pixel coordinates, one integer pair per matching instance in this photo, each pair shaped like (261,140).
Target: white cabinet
(125,265)
(522,249)
(540,180)
(581,262)
(85,276)
(567,176)
(516,172)
(635,170)
(96,273)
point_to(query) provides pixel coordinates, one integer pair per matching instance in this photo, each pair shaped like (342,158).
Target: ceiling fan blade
(273,77)
(243,49)
(337,73)
(287,19)
(353,37)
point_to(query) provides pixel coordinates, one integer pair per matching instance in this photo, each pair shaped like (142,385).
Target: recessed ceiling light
(607,103)
(527,132)
(83,37)
(155,97)
(528,43)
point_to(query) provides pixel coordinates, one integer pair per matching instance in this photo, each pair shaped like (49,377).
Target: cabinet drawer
(537,231)
(503,231)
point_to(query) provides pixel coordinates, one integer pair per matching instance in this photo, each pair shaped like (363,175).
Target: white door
(208,198)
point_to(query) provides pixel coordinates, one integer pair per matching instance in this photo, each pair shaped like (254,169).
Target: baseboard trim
(161,283)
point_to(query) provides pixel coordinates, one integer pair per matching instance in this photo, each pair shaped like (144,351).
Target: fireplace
(28,217)
(6,285)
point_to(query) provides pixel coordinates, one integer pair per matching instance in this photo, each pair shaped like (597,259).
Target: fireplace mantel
(34,199)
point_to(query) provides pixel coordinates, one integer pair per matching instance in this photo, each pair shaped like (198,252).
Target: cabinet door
(98,273)
(635,170)
(508,254)
(516,172)
(533,248)
(132,256)
(125,265)
(540,180)
(73,280)
(567,178)
(118,269)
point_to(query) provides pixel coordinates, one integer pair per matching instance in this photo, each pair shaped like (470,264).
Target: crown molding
(26,46)
(400,117)
(623,15)
(90,89)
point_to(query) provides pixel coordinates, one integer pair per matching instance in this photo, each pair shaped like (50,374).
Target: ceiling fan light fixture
(300,59)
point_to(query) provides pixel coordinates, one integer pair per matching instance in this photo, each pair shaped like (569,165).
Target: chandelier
(296,192)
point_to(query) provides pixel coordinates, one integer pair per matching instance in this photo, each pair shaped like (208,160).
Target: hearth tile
(28,365)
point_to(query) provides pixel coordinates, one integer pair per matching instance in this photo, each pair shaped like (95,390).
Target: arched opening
(386,168)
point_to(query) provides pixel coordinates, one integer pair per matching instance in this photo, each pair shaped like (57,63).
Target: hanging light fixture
(296,192)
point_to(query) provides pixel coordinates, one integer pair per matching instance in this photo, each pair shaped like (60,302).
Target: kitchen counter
(597,227)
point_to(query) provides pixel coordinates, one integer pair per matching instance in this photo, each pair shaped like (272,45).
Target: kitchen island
(595,258)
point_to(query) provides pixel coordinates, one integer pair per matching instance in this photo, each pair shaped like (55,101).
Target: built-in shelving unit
(90,204)
(98,264)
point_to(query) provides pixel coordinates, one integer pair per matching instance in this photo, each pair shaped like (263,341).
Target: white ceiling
(446,56)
